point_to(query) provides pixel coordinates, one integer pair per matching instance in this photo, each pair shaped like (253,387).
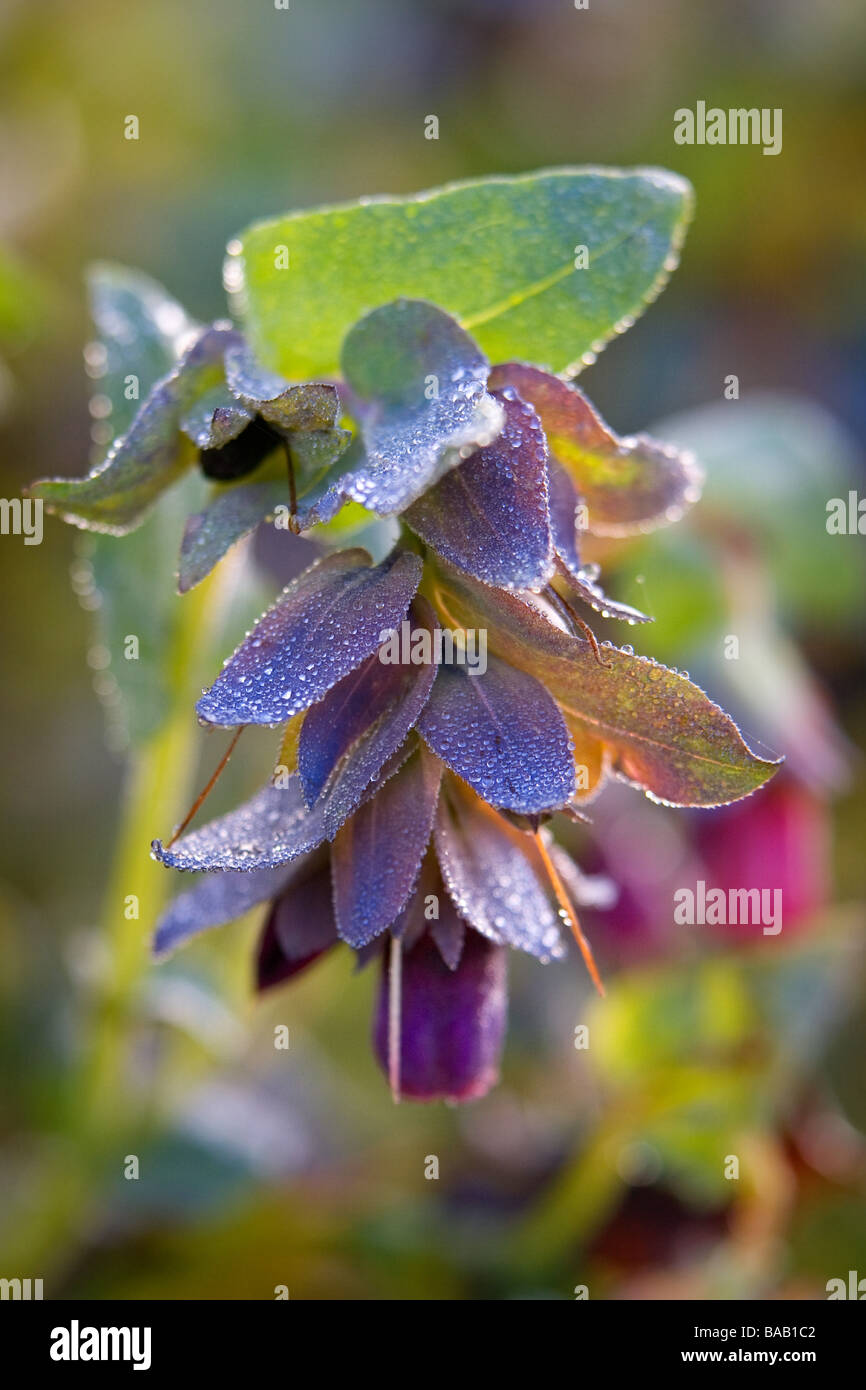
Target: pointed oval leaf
(503,734)
(379,702)
(276,825)
(663,732)
(499,254)
(419,394)
(232,514)
(377,854)
(489,515)
(142,331)
(324,624)
(116,496)
(273,828)
(628,485)
(371,763)
(215,900)
(488,870)
(310,405)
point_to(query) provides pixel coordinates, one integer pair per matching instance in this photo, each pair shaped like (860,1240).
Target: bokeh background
(602,1167)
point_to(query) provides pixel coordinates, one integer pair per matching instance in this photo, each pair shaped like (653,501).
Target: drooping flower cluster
(407,817)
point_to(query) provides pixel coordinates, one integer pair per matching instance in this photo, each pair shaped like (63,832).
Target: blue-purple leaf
(324,624)
(489,514)
(276,825)
(503,734)
(232,514)
(379,702)
(273,828)
(661,731)
(377,854)
(369,765)
(418,383)
(216,899)
(490,870)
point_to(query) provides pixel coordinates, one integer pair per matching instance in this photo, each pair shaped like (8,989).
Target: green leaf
(116,495)
(499,254)
(665,735)
(214,418)
(135,596)
(308,406)
(141,333)
(134,580)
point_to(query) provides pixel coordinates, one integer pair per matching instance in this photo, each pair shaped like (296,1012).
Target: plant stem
(160,779)
(109,1102)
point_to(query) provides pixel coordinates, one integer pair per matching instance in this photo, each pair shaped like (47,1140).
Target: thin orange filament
(203,795)
(569,913)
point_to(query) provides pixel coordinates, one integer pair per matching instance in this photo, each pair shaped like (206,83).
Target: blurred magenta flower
(779,841)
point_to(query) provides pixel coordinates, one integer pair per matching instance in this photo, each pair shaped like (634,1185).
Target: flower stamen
(569,913)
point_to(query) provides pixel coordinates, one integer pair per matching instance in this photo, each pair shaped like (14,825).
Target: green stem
(109,1106)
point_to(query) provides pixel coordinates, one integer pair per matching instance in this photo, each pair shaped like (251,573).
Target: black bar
(227,1338)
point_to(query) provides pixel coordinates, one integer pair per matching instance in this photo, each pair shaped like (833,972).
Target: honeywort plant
(413,359)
